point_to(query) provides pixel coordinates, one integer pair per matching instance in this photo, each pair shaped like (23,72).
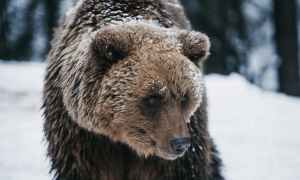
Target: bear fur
(109,60)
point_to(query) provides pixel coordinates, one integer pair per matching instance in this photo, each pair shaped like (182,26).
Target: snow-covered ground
(22,152)
(257,132)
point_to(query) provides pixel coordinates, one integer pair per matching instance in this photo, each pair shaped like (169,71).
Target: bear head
(139,84)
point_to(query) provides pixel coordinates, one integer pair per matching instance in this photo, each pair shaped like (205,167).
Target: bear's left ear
(195,45)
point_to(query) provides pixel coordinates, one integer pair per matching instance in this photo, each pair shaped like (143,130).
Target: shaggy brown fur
(121,83)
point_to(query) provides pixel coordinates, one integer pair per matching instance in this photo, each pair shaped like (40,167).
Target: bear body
(121,85)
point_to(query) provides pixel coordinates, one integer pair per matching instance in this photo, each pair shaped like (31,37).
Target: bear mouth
(164,154)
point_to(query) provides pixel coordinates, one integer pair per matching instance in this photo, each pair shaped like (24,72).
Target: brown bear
(123,96)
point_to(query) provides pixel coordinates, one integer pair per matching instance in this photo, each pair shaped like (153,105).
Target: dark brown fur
(94,128)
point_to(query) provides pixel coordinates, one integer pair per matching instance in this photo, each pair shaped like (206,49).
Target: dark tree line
(19,46)
(226,22)
(227,25)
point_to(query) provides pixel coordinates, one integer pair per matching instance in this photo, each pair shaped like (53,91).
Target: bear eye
(151,105)
(114,54)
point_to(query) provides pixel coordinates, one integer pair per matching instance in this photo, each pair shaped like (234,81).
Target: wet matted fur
(107,56)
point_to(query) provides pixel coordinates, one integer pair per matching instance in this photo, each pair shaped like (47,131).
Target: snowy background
(257,131)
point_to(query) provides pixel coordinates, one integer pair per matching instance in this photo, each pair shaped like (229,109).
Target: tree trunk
(4,29)
(286,37)
(51,18)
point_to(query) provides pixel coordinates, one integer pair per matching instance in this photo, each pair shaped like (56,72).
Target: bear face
(140,86)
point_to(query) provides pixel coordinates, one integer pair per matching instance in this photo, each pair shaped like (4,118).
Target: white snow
(256,131)
(22,152)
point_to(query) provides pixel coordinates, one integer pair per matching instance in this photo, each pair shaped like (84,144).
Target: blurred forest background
(258,39)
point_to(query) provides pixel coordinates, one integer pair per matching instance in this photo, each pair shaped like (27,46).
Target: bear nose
(180,145)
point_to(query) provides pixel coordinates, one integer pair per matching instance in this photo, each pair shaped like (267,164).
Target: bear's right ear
(110,46)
